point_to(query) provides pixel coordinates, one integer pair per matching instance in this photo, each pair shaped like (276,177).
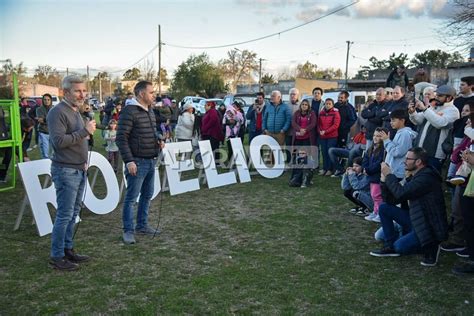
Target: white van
(356,98)
(39,99)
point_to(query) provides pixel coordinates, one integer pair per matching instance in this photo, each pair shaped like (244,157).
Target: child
(401,143)
(232,121)
(465,113)
(466,145)
(112,148)
(356,187)
(166,131)
(371,164)
(302,173)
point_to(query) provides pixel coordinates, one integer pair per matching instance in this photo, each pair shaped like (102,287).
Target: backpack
(4,134)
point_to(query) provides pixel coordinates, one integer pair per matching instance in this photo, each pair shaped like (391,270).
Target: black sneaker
(74,257)
(385,252)
(63,264)
(464,268)
(463,253)
(362,211)
(431,257)
(450,247)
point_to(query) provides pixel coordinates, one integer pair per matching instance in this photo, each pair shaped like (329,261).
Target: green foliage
(48,75)
(311,71)
(363,73)
(436,58)
(197,76)
(268,79)
(132,74)
(391,63)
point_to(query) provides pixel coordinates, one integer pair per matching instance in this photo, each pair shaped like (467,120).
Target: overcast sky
(107,34)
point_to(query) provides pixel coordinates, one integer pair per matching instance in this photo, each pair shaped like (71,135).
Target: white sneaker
(376,219)
(370,217)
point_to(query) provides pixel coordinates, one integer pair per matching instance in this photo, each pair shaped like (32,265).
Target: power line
(266,36)
(135,63)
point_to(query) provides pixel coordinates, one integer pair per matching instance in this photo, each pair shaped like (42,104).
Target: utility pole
(159,59)
(347,62)
(260,88)
(67,71)
(88,80)
(100,87)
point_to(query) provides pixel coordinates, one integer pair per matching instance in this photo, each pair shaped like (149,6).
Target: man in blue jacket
(277,118)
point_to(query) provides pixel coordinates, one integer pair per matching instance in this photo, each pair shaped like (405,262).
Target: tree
(306,70)
(239,66)
(436,58)
(132,74)
(460,27)
(268,79)
(391,63)
(164,76)
(363,73)
(8,68)
(197,75)
(47,75)
(147,71)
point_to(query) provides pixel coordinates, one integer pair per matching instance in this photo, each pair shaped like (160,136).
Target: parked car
(94,103)
(247,99)
(202,103)
(194,100)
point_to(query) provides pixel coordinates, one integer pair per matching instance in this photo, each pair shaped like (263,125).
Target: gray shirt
(68,136)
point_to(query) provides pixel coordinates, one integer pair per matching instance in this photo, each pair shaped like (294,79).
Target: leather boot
(72,256)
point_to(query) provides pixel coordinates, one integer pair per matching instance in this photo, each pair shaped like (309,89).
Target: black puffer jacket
(136,133)
(427,207)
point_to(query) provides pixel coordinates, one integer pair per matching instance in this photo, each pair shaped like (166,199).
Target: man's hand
(132,168)
(384,135)
(420,105)
(41,120)
(91,126)
(411,107)
(385,169)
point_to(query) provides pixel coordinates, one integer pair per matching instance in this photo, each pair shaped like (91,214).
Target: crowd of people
(390,155)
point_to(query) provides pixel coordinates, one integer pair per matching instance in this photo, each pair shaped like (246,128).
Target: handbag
(469,192)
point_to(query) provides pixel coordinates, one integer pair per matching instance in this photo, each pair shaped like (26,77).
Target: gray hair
(295,90)
(429,90)
(68,81)
(277,93)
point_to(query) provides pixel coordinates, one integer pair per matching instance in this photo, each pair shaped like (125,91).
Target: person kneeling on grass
(425,225)
(302,173)
(356,186)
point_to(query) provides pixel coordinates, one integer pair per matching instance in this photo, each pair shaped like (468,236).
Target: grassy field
(259,247)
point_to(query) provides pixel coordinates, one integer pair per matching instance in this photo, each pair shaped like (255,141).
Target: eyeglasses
(411,158)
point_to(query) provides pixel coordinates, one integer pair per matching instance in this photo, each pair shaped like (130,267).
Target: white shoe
(370,217)
(376,219)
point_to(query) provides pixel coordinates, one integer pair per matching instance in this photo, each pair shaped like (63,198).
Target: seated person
(302,172)
(354,149)
(356,186)
(424,225)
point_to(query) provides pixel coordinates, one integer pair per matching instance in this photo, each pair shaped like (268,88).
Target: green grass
(259,247)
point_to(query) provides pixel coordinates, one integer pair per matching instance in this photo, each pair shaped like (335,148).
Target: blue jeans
(142,183)
(44,145)
(406,244)
(325,145)
(69,184)
(336,153)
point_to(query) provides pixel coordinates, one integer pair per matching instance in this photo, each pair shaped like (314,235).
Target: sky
(115,35)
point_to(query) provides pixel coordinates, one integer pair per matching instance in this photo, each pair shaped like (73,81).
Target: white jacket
(441,117)
(184,128)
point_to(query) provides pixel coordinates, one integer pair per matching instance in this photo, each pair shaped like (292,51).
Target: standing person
(174,115)
(277,118)
(348,118)
(211,128)
(112,149)
(317,104)
(398,77)
(41,114)
(184,128)
(233,122)
(370,114)
(398,102)
(139,146)
(304,123)
(255,116)
(466,95)
(328,125)
(68,136)
(434,123)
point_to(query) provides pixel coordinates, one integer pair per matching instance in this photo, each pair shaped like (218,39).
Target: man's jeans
(336,153)
(406,244)
(142,183)
(69,184)
(44,145)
